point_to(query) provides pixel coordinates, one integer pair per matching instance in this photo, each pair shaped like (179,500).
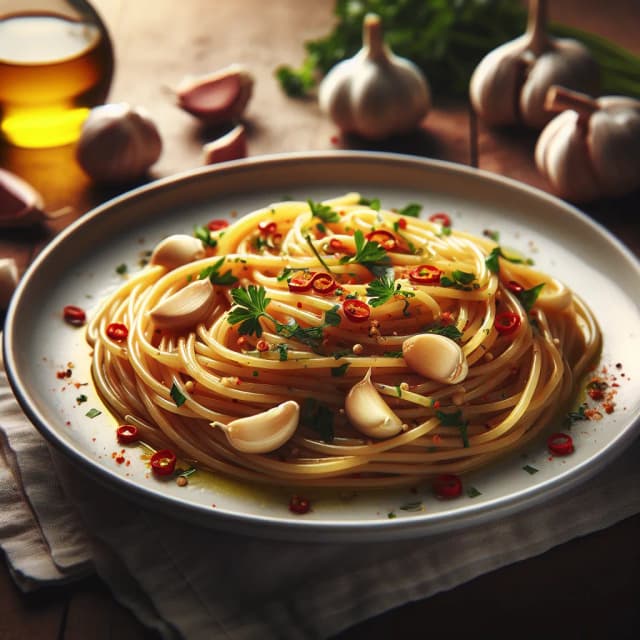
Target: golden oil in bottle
(53,70)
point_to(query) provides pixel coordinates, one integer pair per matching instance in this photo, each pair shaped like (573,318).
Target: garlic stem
(561,99)
(372,36)
(537,27)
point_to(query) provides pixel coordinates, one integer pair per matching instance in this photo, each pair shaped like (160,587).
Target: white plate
(80,266)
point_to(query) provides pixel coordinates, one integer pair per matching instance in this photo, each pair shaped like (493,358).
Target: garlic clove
(263,432)
(375,94)
(176,250)
(8,280)
(369,413)
(231,146)
(185,308)
(20,203)
(118,143)
(435,357)
(219,97)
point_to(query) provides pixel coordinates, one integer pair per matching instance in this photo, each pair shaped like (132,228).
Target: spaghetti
(307,300)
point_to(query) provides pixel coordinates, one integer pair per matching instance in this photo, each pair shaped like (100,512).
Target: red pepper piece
(447,486)
(336,245)
(441,218)
(384,238)
(301,281)
(163,462)
(267,227)
(507,323)
(74,315)
(560,444)
(127,433)
(514,287)
(425,274)
(356,310)
(324,283)
(299,505)
(216,225)
(117,331)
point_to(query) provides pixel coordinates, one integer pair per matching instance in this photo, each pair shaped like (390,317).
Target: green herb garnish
(338,372)
(384,289)
(447,330)
(323,211)
(204,235)
(528,297)
(455,419)
(458,280)
(177,395)
(121,269)
(251,306)
(213,273)
(411,210)
(368,253)
(92,413)
(319,417)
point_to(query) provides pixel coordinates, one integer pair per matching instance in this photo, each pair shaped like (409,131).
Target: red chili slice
(163,462)
(514,287)
(447,486)
(299,505)
(74,315)
(560,444)
(425,274)
(301,281)
(384,238)
(402,223)
(267,227)
(441,218)
(324,283)
(356,310)
(216,225)
(336,245)
(117,331)
(507,323)
(127,433)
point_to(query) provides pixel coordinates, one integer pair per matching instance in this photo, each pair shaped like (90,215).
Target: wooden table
(588,586)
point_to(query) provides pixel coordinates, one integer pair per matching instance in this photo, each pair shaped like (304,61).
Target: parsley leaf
(411,210)
(528,297)
(372,203)
(177,395)
(493,264)
(213,273)
(368,252)
(458,280)
(455,419)
(204,235)
(383,289)
(338,372)
(251,306)
(447,330)
(323,211)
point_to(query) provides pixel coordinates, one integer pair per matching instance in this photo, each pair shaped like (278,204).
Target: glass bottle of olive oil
(54,66)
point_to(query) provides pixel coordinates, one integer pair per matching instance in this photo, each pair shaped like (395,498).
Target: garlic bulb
(263,432)
(176,250)
(217,98)
(435,357)
(591,149)
(231,146)
(186,307)
(368,412)
(375,94)
(510,83)
(118,143)
(20,203)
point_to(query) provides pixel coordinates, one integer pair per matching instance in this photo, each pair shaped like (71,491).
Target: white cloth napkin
(184,581)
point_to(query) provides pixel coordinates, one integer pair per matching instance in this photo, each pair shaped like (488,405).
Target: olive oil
(52,71)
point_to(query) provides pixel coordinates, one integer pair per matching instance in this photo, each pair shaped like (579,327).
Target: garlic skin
(435,357)
(263,432)
(8,280)
(510,84)
(185,308)
(375,94)
(217,98)
(369,413)
(20,204)
(591,149)
(231,146)
(118,143)
(176,250)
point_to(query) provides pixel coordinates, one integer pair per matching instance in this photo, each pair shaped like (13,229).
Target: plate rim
(334,530)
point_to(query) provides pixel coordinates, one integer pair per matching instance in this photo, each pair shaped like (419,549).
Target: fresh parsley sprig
(323,211)
(369,253)
(385,288)
(459,280)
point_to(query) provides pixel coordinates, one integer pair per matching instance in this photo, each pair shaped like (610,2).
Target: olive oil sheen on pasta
(52,71)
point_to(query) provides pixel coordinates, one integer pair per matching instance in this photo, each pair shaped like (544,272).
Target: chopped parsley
(323,211)
(528,297)
(338,372)
(204,235)
(447,330)
(493,263)
(372,203)
(529,469)
(411,210)
(369,253)
(459,280)
(319,417)
(92,413)
(177,395)
(213,273)
(121,269)
(455,419)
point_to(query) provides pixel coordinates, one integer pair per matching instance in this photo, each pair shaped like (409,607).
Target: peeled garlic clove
(185,308)
(369,413)
(231,146)
(118,143)
(217,98)
(8,280)
(176,250)
(263,432)
(20,203)
(435,357)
